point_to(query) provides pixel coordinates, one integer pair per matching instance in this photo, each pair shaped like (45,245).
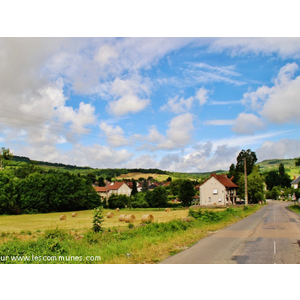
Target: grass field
(116,245)
(137,175)
(83,220)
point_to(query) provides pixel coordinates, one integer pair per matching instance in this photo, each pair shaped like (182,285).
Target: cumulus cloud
(279,103)
(180,105)
(114,135)
(129,94)
(179,132)
(201,158)
(248,124)
(284,148)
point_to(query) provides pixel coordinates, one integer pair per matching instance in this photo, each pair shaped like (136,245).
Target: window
(209,199)
(220,199)
(215,191)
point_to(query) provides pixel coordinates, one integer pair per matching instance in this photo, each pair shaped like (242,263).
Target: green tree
(272,179)
(144,186)
(251,159)
(158,197)
(186,192)
(101,181)
(134,188)
(5,154)
(140,200)
(120,201)
(297,162)
(174,186)
(255,186)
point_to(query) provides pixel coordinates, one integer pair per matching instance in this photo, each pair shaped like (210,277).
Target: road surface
(269,236)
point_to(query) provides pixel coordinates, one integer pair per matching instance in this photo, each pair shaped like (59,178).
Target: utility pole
(246,184)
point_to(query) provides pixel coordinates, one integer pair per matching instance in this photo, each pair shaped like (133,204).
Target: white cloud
(128,95)
(248,124)
(201,95)
(204,157)
(180,105)
(179,132)
(284,47)
(284,148)
(220,122)
(84,115)
(279,103)
(114,135)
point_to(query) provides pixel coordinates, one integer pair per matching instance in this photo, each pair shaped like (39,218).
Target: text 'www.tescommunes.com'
(36,258)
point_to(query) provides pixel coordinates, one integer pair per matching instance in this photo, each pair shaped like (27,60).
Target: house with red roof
(218,190)
(119,188)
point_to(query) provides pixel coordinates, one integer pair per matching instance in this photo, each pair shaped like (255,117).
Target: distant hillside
(114,173)
(273,164)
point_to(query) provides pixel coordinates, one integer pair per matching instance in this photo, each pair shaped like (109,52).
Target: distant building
(218,190)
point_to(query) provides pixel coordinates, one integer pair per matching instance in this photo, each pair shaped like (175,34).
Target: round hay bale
(129,218)
(117,209)
(110,215)
(188,219)
(167,209)
(63,217)
(122,217)
(74,215)
(147,218)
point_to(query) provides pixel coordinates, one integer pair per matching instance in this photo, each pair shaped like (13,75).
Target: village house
(218,190)
(295,182)
(119,188)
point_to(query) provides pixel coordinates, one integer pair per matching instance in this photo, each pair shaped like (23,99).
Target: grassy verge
(149,243)
(295,208)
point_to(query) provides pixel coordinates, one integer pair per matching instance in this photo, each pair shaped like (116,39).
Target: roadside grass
(295,208)
(148,243)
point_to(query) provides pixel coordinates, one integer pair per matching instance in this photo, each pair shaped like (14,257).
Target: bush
(98,219)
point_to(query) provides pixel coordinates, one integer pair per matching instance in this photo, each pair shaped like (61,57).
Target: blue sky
(178,104)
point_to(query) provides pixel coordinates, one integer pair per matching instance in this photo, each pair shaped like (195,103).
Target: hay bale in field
(147,218)
(167,209)
(110,215)
(74,215)
(129,218)
(63,217)
(188,219)
(122,217)
(117,209)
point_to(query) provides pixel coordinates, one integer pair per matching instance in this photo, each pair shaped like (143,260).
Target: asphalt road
(268,236)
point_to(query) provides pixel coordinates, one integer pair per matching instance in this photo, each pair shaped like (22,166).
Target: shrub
(98,219)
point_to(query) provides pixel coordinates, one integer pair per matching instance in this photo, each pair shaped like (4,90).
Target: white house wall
(124,190)
(212,192)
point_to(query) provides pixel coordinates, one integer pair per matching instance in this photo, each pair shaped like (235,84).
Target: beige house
(119,188)
(295,182)
(218,190)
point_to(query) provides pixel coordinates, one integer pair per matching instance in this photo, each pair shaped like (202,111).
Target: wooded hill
(273,164)
(265,166)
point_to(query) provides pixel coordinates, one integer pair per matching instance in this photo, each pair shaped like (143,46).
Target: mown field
(137,175)
(42,222)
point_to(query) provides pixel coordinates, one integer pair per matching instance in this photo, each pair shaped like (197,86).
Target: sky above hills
(177,104)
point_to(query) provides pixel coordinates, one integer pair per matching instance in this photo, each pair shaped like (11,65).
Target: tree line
(30,189)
